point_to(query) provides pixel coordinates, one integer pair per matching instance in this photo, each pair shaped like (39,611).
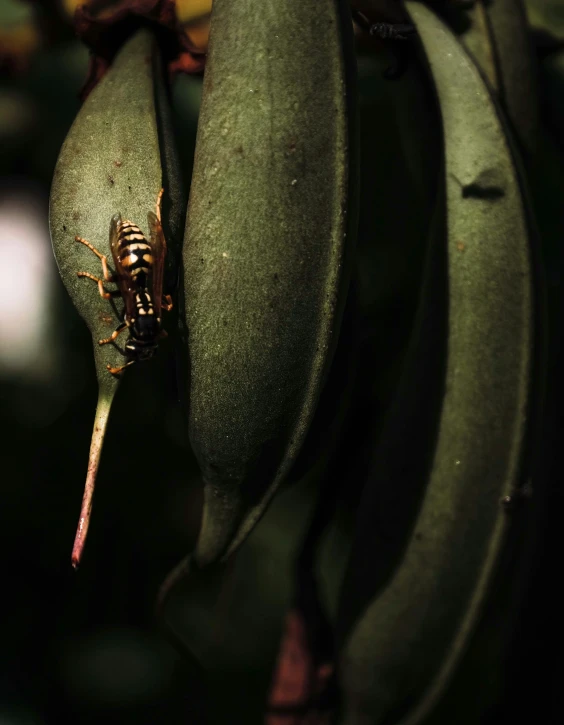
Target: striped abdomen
(134,252)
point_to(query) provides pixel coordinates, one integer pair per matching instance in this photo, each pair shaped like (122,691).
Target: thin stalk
(100,424)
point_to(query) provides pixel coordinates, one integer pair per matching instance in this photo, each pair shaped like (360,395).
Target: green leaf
(267,250)
(110,162)
(412,600)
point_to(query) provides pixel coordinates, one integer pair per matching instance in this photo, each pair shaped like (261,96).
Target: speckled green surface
(498,38)
(477,39)
(404,647)
(110,162)
(266,247)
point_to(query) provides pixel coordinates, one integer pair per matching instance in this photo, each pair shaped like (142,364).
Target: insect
(388,33)
(139,264)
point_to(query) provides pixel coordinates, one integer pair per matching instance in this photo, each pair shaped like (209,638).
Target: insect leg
(158,204)
(385,31)
(116,371)
(167,303)
(108,276)
(120,328)
(392,31)
(389,33)
(103,292)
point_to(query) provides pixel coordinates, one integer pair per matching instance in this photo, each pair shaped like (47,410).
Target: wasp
(139,265)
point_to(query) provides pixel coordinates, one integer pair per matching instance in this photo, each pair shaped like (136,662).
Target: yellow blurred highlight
(19,35)
(198,33)
(190,10)
(193,15)
(186,10)
(69,7)
(19,43)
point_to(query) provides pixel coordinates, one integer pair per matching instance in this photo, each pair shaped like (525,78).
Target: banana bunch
(264,271)
(432,531)
(269,236)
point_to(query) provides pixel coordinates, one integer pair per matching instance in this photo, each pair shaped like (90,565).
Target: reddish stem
(100,425)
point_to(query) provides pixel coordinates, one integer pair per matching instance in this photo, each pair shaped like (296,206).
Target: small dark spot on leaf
(275,276)
(461,246)
(111,180)
(292,146)
(202,260)
(225,323)
(507,502)
(239,150)
(129,187)
(518,497)
(76,216)
(64,228)
(118,163)
(476,191)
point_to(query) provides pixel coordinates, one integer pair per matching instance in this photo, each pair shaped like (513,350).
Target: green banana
(497,36)
(267,250)
(432,526)
(546,16)
(110,162)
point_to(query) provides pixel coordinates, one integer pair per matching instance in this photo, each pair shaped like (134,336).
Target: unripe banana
(110,163)
(432,524)
(269,232)
(546,16)
(497,36)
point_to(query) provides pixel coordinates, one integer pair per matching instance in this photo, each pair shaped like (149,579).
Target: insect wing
(122,276)
(158,246)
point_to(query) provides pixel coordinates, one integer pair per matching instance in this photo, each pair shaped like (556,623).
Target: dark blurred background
(83,646)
